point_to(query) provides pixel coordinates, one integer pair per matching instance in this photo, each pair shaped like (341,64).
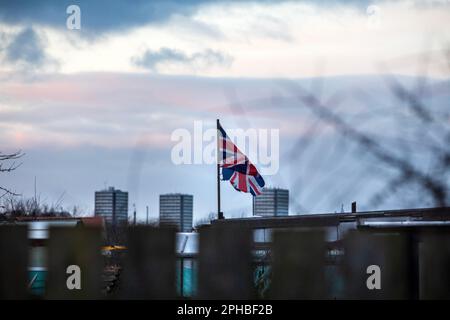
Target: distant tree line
(13,206)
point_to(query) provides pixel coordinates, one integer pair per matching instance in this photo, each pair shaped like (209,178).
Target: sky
(97,106)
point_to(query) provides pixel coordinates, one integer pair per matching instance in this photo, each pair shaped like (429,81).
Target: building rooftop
(334,219)
(110,189)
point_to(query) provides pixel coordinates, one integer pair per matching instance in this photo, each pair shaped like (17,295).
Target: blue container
(37,277)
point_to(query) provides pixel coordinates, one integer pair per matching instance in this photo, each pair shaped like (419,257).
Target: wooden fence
(412,264)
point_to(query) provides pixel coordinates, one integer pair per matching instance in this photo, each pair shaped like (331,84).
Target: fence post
(225,263)
(390,252)
(434,255)
(298,265)
(13,262)
(150,263)
(79,247)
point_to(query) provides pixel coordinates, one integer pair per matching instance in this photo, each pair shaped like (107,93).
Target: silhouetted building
(112,205)
(272,202)
(176,210)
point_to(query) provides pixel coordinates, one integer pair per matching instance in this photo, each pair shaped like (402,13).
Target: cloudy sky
(97,106)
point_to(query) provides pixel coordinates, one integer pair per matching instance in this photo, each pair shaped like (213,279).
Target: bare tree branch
(4,158)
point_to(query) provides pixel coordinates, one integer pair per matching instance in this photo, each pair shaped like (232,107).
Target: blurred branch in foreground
(434,135)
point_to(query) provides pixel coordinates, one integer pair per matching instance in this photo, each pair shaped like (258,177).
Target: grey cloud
(26,48)
(99,16)
(183,24)
(203,59)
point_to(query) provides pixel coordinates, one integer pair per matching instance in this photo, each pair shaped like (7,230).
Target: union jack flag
(236,167)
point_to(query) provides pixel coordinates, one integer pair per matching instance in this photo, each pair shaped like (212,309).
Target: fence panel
(69,248)
(435,265)
(377,264)
(149,271)
(298,265)
(14,259)
(391,252)
(225,263)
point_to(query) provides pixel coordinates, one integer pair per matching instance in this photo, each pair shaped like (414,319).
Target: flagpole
(219,214)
